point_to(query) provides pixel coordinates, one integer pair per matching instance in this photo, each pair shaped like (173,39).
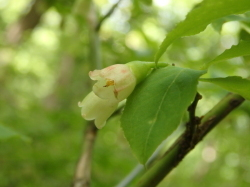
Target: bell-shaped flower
(114,84)
(95,108)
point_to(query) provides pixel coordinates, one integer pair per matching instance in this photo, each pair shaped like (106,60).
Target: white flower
(114,84)
(95,108)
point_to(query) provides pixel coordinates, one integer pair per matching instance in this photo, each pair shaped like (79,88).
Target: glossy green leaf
(242,49)
(202,15)
(7,133)
(155,108)
(233,84)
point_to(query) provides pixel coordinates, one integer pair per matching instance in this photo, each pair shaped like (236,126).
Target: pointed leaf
(242,49)
(233,84)
(155,108)
(202,15)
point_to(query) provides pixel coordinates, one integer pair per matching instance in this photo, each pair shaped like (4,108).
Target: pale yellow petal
(96,108)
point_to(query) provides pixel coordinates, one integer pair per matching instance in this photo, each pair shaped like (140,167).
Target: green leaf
(217,24)
(202,15)
(7,133)
(233,84)
(155,108)
(242,49)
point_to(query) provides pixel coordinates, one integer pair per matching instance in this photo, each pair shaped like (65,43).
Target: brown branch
(182,146)
(192,125)
(83,170)
(99,24)
(27,22)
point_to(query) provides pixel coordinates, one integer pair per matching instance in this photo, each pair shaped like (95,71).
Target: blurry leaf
(242,49)
(156,107)
(147,2)
(202,15)
(142,3)
(217,24)
(64,7)
(244,35)
(6,133)
(233,84)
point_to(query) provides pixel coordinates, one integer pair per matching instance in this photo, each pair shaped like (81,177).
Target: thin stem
(131,176)
(110,12)
(182,146)
(191,125)
(140,169)
(83,171)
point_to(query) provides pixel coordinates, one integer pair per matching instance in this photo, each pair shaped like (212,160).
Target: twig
(131,176)
(140,169)
(99,24)
(181,147)
(83,170)
(192,125)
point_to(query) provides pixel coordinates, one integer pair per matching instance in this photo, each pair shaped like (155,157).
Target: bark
(27,22)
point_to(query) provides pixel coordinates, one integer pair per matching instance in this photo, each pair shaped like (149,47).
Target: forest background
(46,52)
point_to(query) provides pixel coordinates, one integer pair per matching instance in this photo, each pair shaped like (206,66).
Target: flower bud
(115,82)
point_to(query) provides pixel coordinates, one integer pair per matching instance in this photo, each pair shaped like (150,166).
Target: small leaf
(155,108)
(7,133)
(233,84)
(202,15)
(242,49)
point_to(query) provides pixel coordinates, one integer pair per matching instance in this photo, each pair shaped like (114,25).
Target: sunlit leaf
(242,49)
(202,15)
(217,24)
(156,107)
(233,84)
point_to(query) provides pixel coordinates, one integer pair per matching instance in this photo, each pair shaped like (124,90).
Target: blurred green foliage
(44,73)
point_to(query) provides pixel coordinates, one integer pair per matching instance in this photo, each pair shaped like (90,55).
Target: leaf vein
(155,118)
